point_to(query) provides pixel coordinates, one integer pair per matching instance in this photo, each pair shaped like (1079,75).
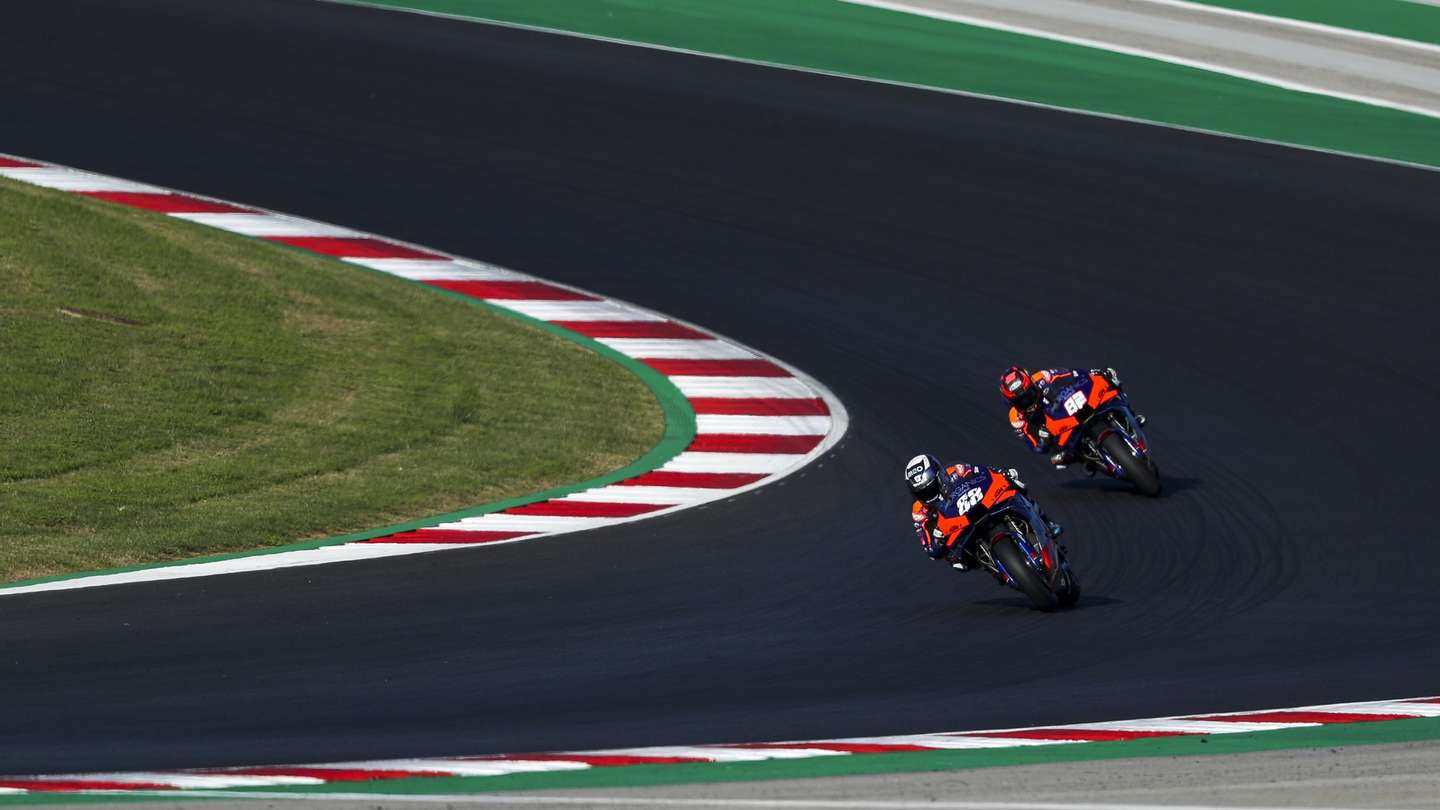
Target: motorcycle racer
(1027,393)
(933,485)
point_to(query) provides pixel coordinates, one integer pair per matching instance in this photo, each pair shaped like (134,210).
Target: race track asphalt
(1271,310)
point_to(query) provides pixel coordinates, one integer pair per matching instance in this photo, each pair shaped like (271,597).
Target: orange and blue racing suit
(1029,424)
(960,478)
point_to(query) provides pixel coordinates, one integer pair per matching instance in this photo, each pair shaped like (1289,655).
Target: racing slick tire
(1139,469)
(1026,578)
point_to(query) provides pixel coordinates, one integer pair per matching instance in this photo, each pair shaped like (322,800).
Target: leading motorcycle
(989,520)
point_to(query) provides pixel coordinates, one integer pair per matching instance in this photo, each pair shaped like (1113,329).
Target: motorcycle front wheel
(1008,554)
(1139,470)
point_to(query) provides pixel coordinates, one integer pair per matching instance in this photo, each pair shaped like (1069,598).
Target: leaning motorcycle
(1091,419)
(993,523)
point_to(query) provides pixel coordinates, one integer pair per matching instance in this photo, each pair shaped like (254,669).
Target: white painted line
(1305,24)
(540,524)
(1213,67)
(717,753)
(240,565)
(732,462)
(800,753)
(364,551)
(712,754)
(1382,707)
(71,180)
(457,767)
(1327,707)
(763,425)
(440,270)
(657,349)
(267,225)
(1185,726)
(578,311)
(529,765)
(743,387)
(188,781)
(1189,723)
(952,742)
(7,791)
(647,494)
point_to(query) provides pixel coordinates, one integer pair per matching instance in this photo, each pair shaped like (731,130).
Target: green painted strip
(1403,19)
(1395,731)
(842,38)
(679,433)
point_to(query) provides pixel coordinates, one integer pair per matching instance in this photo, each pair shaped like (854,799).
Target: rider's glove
(938,548)
(1014,476)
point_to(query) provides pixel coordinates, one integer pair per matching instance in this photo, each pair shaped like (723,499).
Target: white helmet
(926,477)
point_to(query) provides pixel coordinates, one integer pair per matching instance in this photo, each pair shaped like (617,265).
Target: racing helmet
(1018,388)
(926,477)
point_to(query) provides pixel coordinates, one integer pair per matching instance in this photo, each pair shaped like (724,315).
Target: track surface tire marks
(1269,307)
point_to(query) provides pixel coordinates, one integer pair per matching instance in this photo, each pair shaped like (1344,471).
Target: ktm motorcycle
(1091,420)
(988,520)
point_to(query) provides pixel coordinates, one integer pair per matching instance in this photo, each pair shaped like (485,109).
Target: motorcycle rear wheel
(1138,469)
(1026,579)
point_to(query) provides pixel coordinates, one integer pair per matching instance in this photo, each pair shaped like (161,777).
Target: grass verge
(173,391)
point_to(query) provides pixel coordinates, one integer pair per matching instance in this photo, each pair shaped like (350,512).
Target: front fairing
(1074,403)
(972,497)
(1062,416)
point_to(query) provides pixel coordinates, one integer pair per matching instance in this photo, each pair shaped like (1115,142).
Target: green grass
(268,396)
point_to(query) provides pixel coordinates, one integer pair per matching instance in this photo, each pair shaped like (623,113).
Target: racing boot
(1055,528)
(959,563)
(1140,417)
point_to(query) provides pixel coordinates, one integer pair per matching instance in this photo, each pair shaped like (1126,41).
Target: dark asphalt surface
(1271,309)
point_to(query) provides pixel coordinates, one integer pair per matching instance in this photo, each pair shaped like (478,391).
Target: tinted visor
(1025,399)
(927,491)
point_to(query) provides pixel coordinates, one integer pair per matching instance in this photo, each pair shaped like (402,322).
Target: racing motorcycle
(1091,419)
(988,520)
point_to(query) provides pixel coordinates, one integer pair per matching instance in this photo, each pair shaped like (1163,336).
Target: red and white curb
(339,773)
(757,419)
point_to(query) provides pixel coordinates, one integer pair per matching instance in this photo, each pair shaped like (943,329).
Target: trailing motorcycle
(989,521)
(1091,420)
